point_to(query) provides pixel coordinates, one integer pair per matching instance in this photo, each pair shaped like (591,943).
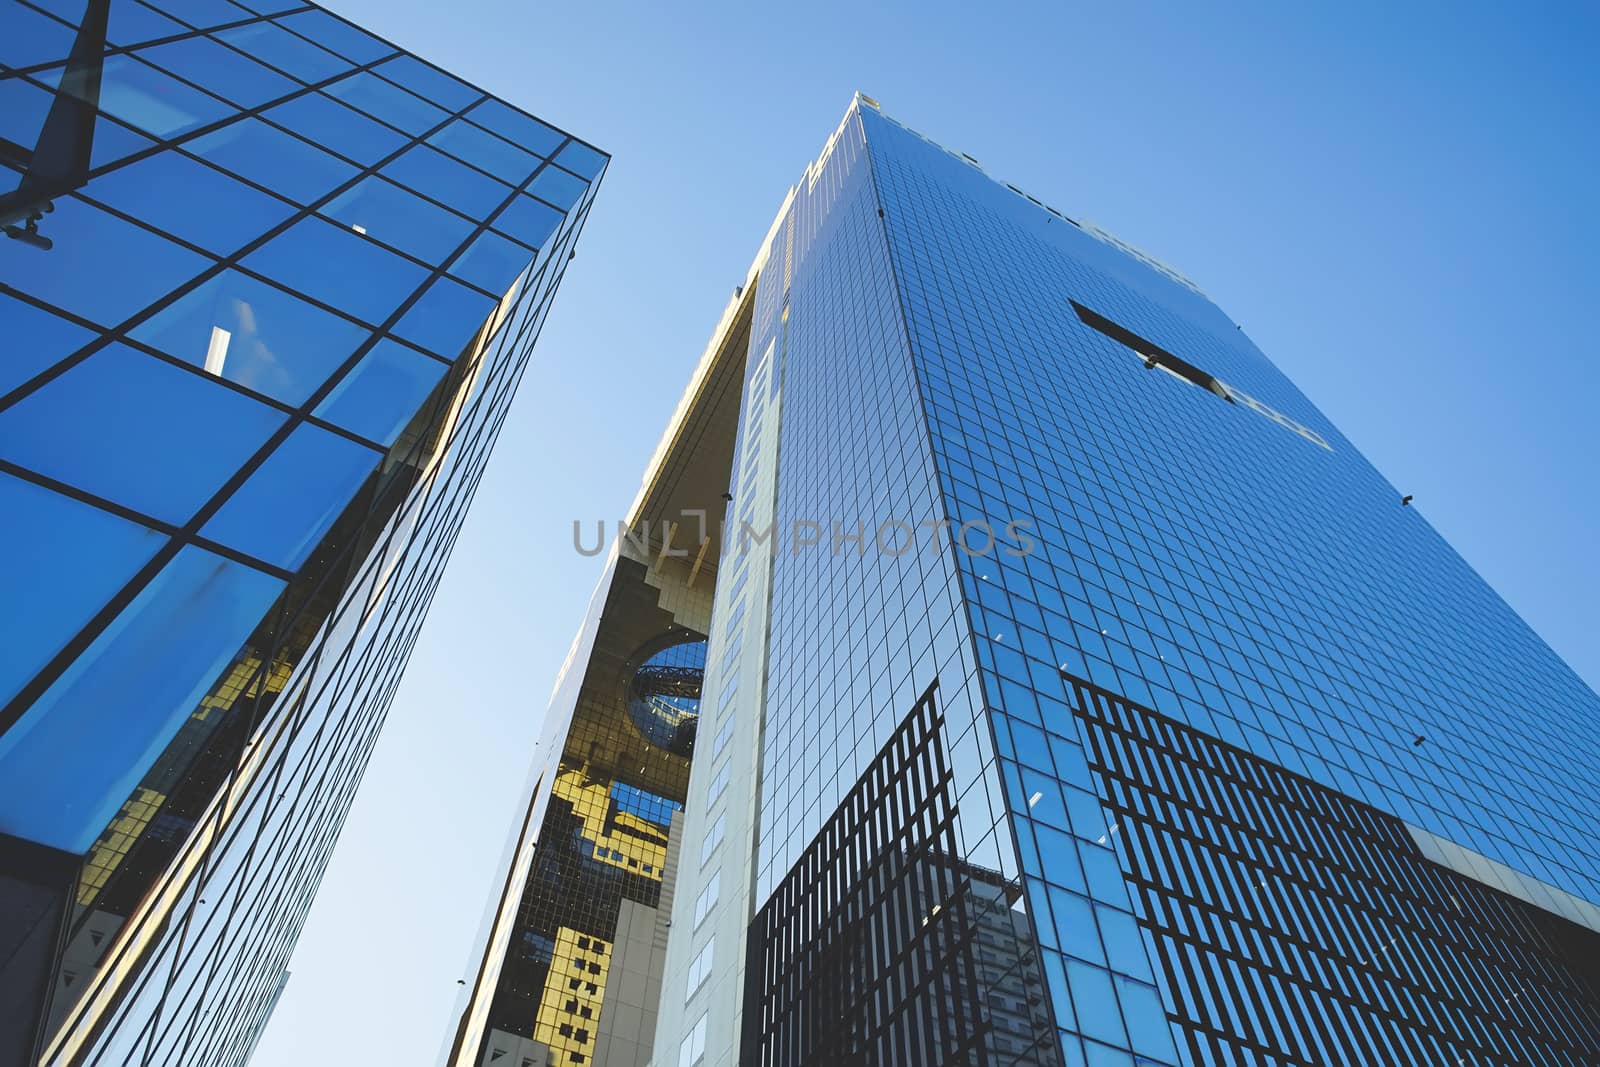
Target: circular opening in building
(664,695)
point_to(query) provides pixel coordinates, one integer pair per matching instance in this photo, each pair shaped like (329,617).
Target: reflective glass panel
(340,129)
(528,220)
(112,423)
(386,101)
(428,82)
(341,37)
(445,319)
(101,267)
(248,331)
(556,186)
(78,752)
(201,14)
(383,392)
(294,55)
(23,107)
(485,151)
(385,212)
(214,211)
(580,159)
(291,500)
(219,69)
(32,38)
(278,160)
(337,266)
(60,561)
(454,184)
(34,339)
(514,126)
(134,23)
(492,262)
(155,102)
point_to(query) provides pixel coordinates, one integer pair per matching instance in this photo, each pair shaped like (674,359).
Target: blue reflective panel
(485,151)
(445,319)
(385,212)
(219,69)
(23,107)
(272,7)
(125,426)
(134,23)
(432,173)
(280,161)
(428,82)
(337,35)
(212,211)
(153,101)
(386,101)
(492,262)
(383,392)
(32,38)
(254,333)
(291,500)
(271,43)
(557,187)
(114,141)
(34,340)
(62,560)
(201,14)
(581,159)
(101,267)
(79,751)
(1096,1004)
(1148,1030)
(514,126)
(340,129)
(331,263)
(528,220)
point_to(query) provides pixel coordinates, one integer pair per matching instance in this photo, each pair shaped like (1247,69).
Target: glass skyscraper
(267,287)
(1073,693)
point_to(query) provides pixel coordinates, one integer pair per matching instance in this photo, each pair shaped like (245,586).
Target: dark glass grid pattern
(256,384)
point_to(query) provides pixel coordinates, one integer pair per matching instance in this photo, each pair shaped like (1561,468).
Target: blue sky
(1396,201)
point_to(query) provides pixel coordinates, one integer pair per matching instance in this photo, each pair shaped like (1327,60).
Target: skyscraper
(1074,693)
(267,289)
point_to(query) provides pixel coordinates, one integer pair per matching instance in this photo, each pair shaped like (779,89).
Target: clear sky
(1397,202)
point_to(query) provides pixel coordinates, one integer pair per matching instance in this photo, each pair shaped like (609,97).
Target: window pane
(273,44)
(253,333)
(514,126)
(485,151)
(492,262)
(201,14)
(456,185)
(132,24)
(32,38)
(220,70)
(278,160)
(155,102)
(341,37)
(101,267)
(529,221)
(214,211)
(581,159)
(23,107)
(445,319)
(557,187)
(334,265)
(384,391)
(77,754)
(289,503)
(34,340)
(340,129)
(388,102)
(385,212)
(128,427)
(64,560)
(428,83)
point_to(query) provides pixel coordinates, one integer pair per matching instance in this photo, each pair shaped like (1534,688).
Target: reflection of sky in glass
(646,805)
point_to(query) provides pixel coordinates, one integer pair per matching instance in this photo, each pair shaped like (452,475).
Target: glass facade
(268,287)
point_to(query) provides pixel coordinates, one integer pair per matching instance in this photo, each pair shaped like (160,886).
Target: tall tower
(1075,693)
(267,287)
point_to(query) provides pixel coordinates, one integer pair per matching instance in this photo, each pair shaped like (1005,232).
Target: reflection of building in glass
(268,285)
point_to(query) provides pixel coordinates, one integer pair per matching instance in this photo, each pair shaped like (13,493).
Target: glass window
(385,212)
(155,102)
(337,35)
(247,331)
(388,102)
(32,38)
(445,319)
(328,123)
(456,185)
(273,44)
(132,23)
(485,151)
(101,267)
(221,70)
(213,211)
(272,7)
(82,748)
(34,340)
(63,560)
(1095,1002)
(126,426)
(278,160)
(201,14)
(516,127)
(383,393)
(428,82)
(529,221)
(292,499)
(557,187)
(334,265)
(23,107)
(581,159)
(492,262)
